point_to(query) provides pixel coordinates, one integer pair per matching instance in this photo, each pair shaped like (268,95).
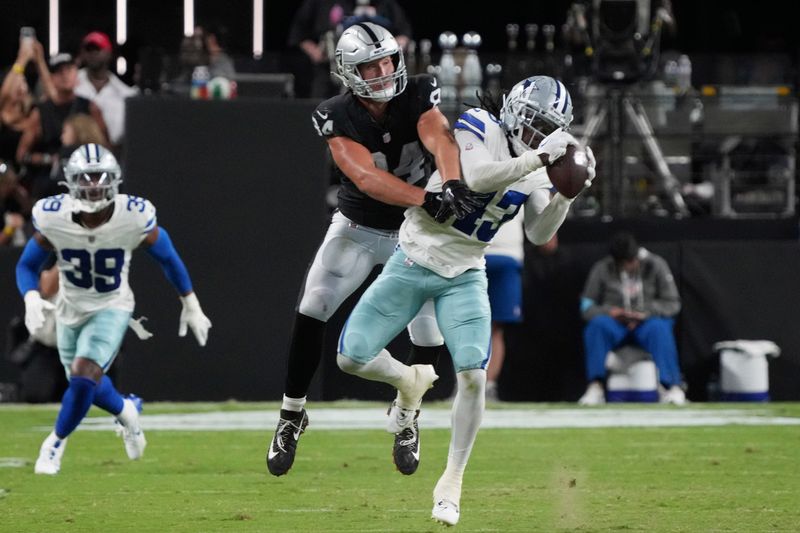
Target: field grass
(724,478)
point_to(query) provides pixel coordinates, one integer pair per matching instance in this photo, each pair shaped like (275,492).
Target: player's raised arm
(160,247)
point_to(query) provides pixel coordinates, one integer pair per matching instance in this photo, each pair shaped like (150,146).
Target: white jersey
(93,264)
(456,246)
(509,240)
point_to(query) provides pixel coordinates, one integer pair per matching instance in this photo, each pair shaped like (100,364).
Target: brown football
(569,173)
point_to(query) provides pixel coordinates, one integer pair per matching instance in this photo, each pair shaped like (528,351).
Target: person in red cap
(97,83)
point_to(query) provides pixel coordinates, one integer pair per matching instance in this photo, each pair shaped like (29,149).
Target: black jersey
(393,142)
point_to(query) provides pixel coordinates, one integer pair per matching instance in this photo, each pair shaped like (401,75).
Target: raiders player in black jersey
(384,134)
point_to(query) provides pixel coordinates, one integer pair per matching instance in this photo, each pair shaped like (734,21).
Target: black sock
(424,355)
(305,353)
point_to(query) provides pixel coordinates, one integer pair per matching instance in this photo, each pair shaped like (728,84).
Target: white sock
(129,416)
(293,404)
(383,368)
(465,420)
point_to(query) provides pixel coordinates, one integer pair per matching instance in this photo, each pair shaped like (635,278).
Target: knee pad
(318,302)
(470,358)
(424,331)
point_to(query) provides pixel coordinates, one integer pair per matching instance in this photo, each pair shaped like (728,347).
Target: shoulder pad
(140,210)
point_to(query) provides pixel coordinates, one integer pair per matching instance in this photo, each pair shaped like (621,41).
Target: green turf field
(735,477)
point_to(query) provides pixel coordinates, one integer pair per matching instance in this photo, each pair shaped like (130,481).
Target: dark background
(710,26)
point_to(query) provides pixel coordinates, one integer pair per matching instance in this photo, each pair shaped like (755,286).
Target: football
(569,173)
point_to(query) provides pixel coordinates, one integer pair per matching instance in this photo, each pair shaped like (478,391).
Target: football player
(93,231)
(504,157)
(383,133)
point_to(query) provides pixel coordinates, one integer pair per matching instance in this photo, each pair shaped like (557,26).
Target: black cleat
(406,448)
(280,455)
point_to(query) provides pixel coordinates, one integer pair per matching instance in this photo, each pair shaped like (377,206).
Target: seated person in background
(630,297)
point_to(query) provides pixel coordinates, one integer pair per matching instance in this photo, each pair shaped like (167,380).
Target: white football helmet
(534,108)
(364,42)
(92,176)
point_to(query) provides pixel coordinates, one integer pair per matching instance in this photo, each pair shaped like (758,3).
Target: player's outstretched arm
(356,162)
(30,263)
(544,215)
(160,247)
(434,131)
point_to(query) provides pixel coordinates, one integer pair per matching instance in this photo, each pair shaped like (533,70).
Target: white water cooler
(744,370)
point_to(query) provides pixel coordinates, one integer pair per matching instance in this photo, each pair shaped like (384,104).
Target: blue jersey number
(52,203)
(107,265)
(486,229)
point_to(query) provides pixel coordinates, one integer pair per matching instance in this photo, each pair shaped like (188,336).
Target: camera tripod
(618,104)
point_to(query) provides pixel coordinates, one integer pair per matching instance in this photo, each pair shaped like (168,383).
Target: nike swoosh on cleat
(271,454)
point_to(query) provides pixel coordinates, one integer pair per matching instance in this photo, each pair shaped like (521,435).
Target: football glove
(433,206)
(458,198)
(554,146)
(192,317)
(35,306)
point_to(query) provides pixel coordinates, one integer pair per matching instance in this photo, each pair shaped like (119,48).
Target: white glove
(193,317)
(137,327)
(554,146)
(35,306)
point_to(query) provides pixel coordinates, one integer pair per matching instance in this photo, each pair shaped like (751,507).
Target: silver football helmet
(364,42)
(534,108)
(92,176)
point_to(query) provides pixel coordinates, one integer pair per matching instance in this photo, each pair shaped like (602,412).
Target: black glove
(460,200)
(433,206)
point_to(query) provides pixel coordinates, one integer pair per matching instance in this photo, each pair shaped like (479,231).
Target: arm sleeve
(30,263)
(164,252)
(482,173)
(543,215)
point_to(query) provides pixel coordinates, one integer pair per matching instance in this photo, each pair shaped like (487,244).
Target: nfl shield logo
(91,238)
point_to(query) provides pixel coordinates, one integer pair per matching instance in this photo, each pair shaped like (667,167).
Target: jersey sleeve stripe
(150,224)
(473,120)
(461,125)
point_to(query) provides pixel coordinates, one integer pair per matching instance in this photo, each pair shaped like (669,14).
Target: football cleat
(406,448)
(49,460)
(446,512)
(594,395)
(132,434)
(280,455)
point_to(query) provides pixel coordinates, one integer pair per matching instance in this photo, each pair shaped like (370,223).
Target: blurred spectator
(77,131)
(504,257)
(101,86)
(630,297)
(219,62)
(16,100)
(40,144)
(318,24)
(15,206)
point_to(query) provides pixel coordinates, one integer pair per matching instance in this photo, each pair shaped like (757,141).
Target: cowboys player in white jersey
(383,134)
(504,158)
(93,231)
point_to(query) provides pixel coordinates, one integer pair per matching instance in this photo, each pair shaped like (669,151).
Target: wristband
(18,68)
(8,230)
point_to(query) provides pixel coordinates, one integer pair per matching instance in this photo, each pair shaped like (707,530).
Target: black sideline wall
(240,186)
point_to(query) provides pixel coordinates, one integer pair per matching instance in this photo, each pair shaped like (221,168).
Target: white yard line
(375,418)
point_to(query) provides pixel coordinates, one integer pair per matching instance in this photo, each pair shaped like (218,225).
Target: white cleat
(446,512)
(594,395)
(49,461)
(132,434)
(400,418)
(411,397)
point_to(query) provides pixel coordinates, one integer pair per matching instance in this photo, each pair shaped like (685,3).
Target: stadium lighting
(122,21)
(188,18)
(53,33)
(258,28)
(122,66)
